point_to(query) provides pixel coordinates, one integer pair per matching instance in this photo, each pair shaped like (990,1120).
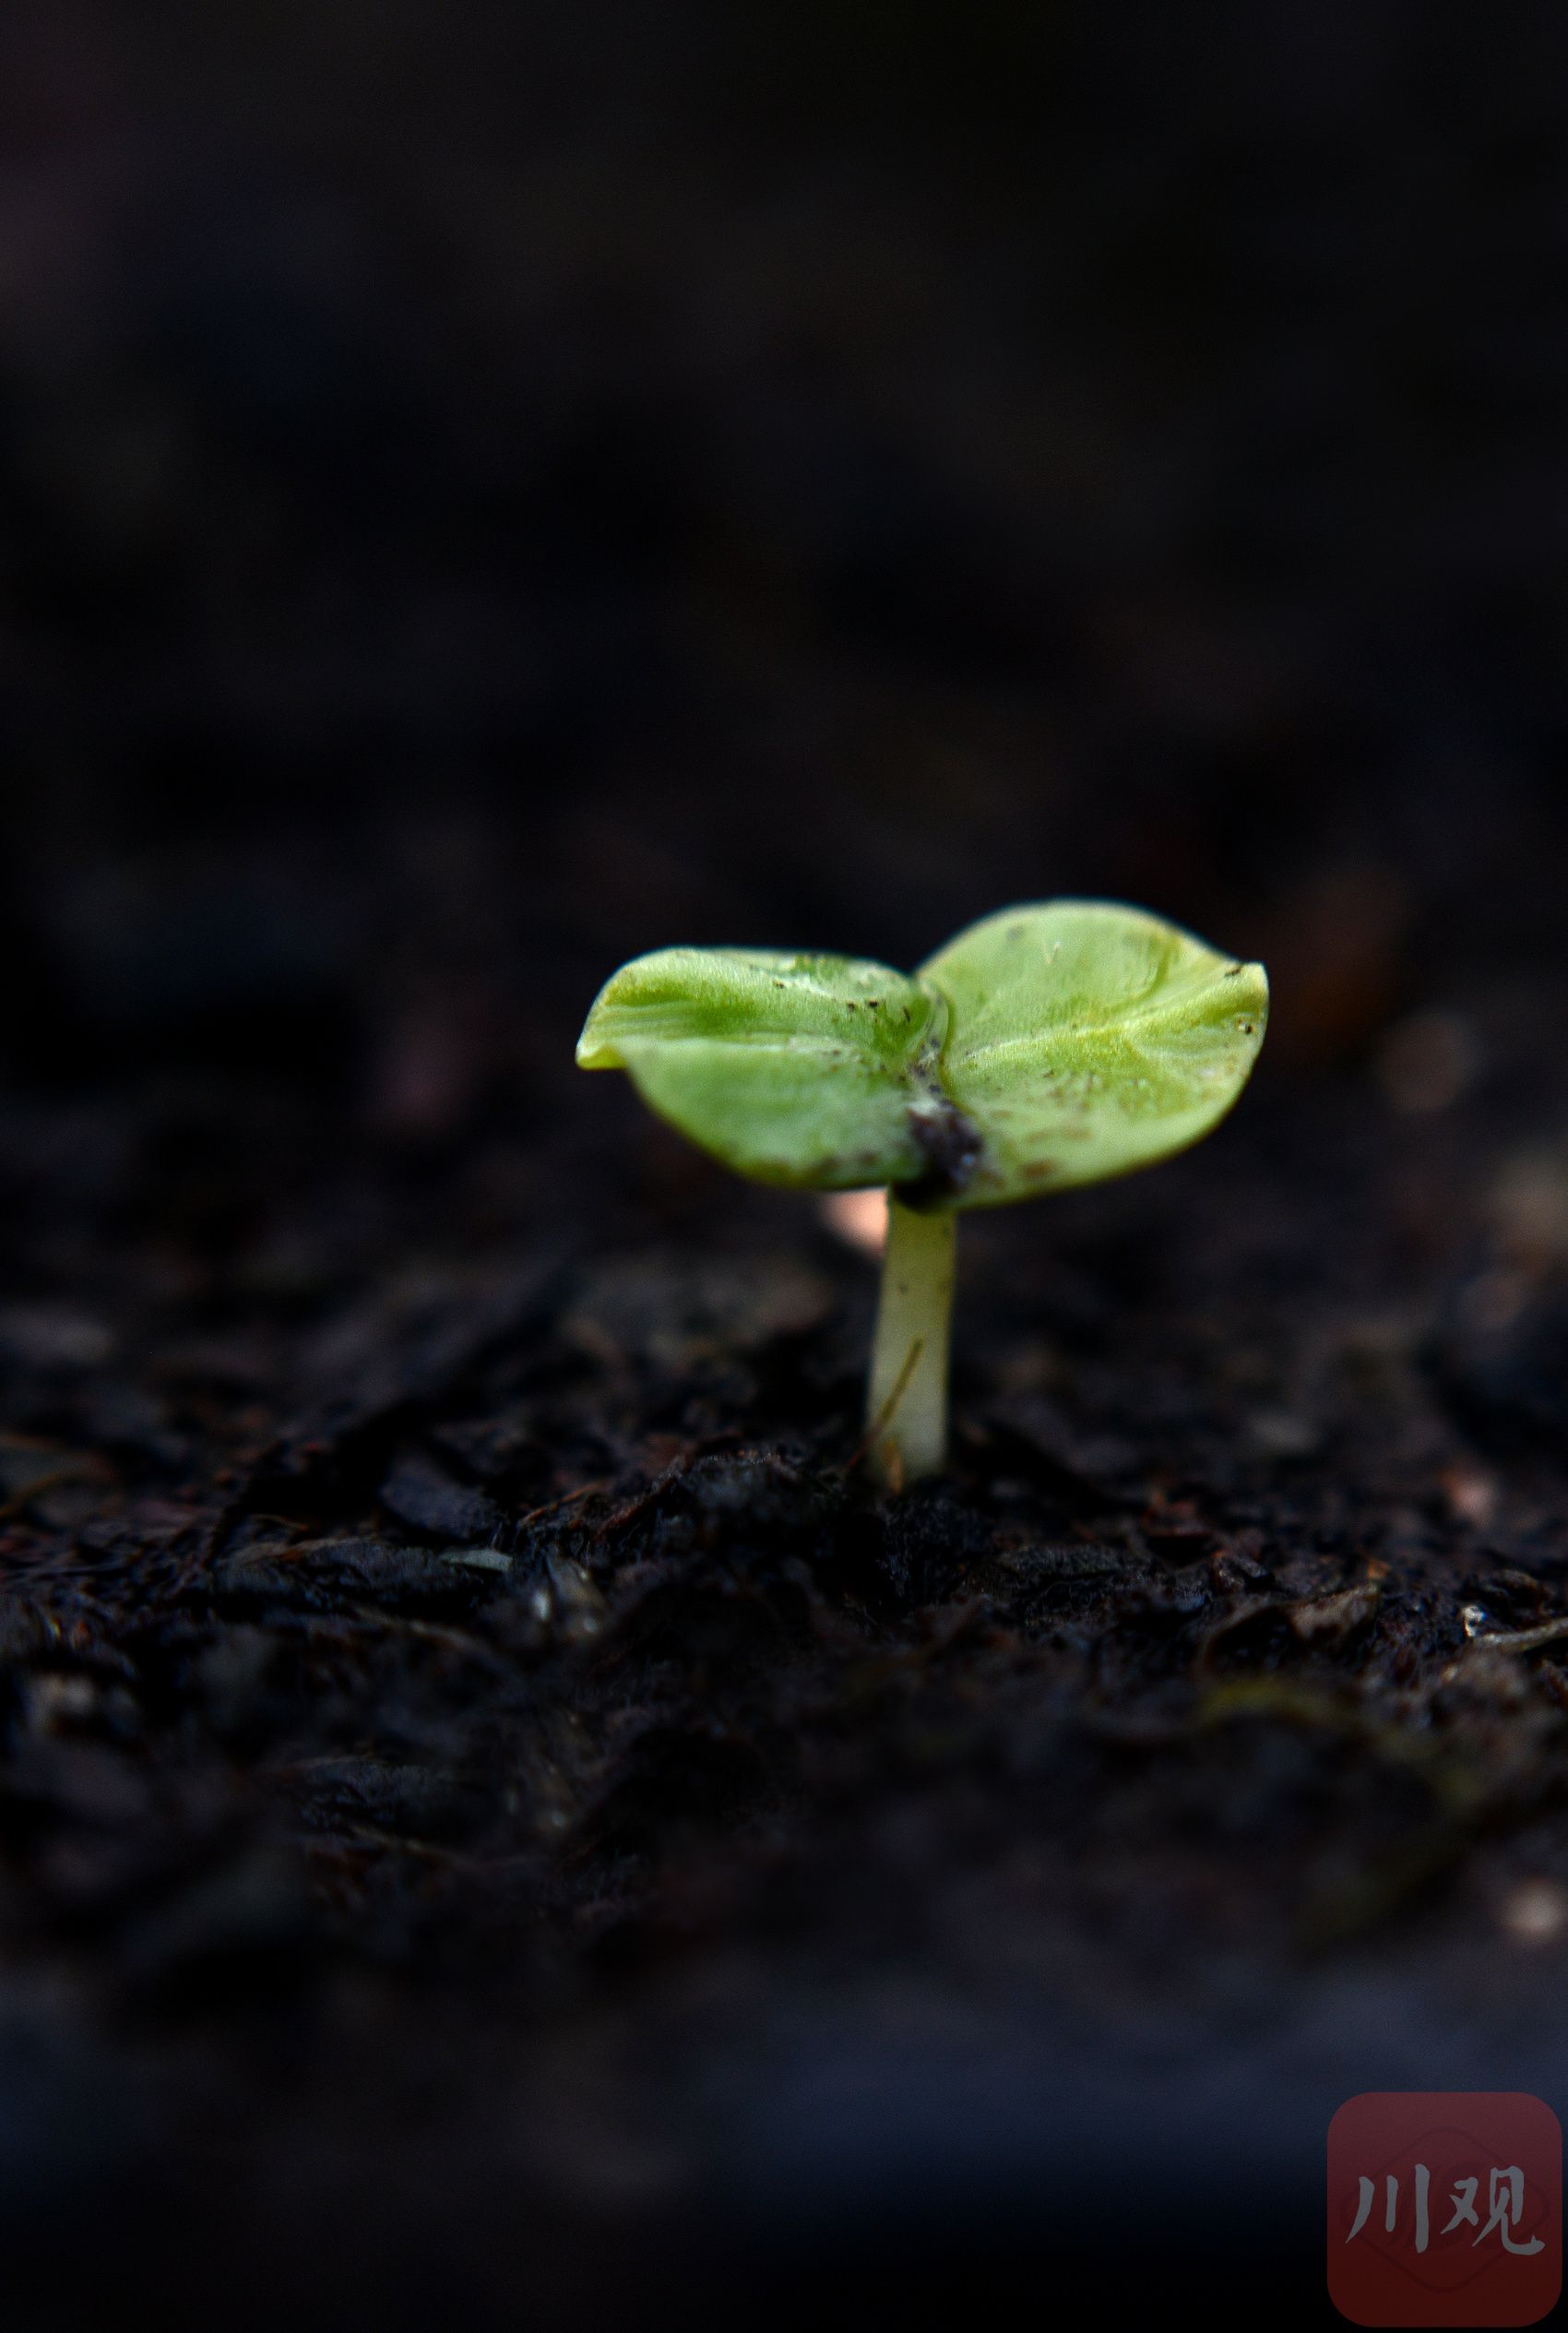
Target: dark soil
(497,1818)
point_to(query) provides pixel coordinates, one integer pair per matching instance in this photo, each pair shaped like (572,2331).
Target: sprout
(1044,1047)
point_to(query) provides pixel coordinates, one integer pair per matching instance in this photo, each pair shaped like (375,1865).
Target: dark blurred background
(489,488)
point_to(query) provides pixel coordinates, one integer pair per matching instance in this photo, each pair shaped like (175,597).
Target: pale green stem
(907,1404)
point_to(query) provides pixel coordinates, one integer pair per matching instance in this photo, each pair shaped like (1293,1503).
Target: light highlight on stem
(907,1402)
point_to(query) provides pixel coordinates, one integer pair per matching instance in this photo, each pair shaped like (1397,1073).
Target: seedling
(1044,1047)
